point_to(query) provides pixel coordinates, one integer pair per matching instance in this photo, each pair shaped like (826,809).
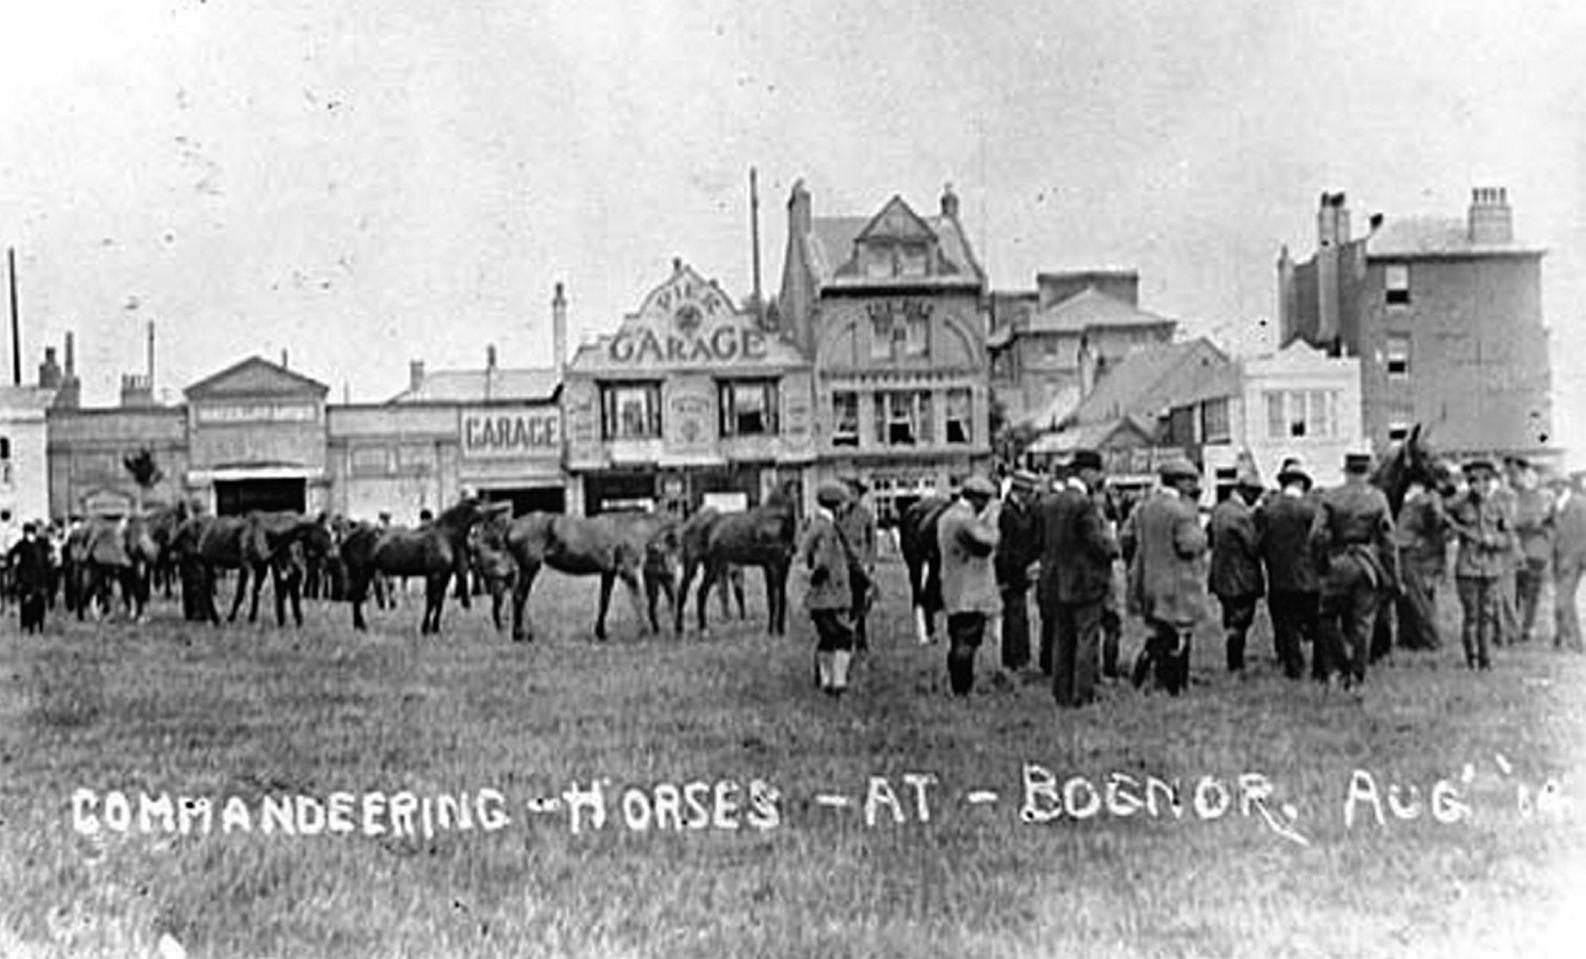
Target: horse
(1413,461)
(437,551)
(493,569)
(104,552)
(255,544)
(763,536)
(922,557)
(632,546)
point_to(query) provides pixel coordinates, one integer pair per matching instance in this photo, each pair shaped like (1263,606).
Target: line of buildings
(886,352)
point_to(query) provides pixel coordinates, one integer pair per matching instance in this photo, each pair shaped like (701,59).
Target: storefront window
(630,411)
(845,419)
(903,418)
(748,407)
(1214,421)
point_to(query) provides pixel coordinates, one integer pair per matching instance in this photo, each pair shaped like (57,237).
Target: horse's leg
(294,590)
(712,570)
(498,590)
(435,586)
(690,567)
(236,600)
(605,603)
(258,585)
(630,576)
(522,627)
(738,594)
(357,591)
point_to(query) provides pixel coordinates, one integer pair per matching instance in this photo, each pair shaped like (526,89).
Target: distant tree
(144,471)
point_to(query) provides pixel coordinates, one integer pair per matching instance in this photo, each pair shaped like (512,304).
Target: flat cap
(1178,468)
(979,486)
(1024,479)
(1479,465)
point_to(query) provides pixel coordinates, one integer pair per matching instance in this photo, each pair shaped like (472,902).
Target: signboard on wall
(510,432)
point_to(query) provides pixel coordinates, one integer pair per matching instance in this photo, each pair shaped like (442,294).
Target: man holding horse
(967,536)
(1353,540)
(1076,578)
(1422,531)
(858,526)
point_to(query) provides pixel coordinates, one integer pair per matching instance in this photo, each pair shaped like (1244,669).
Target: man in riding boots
(1077,553)
(829,597)
(1236,577)
(1567,523)
(858,526)
(1017,527)
(1166,550)
(967,536)
(1352,540)
(1486,549)
(1422,532)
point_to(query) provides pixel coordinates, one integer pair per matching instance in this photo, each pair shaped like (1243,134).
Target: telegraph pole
(16,323)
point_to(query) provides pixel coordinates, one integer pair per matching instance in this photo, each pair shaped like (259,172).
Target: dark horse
(438,552)
(613,546)
(255,545)
(763,536)
(1413,461)
(922,556)
(104,552)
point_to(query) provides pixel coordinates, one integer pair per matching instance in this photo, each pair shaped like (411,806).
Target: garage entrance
(236,497)
(529,499)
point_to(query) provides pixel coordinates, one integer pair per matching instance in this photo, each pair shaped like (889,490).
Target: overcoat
(1236,555)
(1167,566)
(967,542)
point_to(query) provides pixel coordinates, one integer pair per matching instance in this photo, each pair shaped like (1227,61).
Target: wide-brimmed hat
(1178,468)
(1086,460)
(978,486)
(1293,471)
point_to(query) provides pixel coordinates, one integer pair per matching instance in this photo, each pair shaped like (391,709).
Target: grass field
(256,712)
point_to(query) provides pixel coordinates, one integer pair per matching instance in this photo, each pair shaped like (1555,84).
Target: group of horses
(472,543)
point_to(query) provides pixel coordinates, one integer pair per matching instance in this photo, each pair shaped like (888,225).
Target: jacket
(1236,551)
(1568,526)
(1353,534)
(827,558)
(858,525)
(1422,533)
(1018,543)
(1283,527)
(1167,565)
(1486,540)
(967,542)
(30,565)
(1077,549)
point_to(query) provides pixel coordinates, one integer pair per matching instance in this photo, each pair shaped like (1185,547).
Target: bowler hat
(978,486)
(831,494)
(1293,471)
(1086,460)
(1178,468)
(1248,478)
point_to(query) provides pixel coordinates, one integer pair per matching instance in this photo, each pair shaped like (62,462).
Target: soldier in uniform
(1283,528)
(967,536)
(1568,527)
(1077,553)
(829,598)
(1166,550)
(1236,576)
(1486,548)
(858,526)
(1352,539)
(1018,528)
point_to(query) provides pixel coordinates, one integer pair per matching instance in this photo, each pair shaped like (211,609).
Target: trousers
(1479,601)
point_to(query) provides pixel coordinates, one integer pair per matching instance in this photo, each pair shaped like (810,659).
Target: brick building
(890,309)
(1445,315)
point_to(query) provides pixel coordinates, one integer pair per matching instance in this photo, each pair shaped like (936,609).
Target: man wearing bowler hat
(1283,525)
(967,536)
(1018,547)
(1166,550)
(1077,552)
(1352,539)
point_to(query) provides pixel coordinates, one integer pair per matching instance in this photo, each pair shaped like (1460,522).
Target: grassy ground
(255,712)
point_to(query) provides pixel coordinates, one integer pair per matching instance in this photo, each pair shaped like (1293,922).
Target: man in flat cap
(1283,525)
(1352,539)
(1237,579)
(858,525)
(1077,552)
(829,598)
(967,536)
(1018,547)
(1568,525)
(1486,545)
(1166,550)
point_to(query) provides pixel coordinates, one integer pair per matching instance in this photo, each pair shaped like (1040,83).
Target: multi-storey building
(890,309)
(1445,315)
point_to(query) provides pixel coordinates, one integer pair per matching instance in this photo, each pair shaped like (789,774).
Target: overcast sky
(366,182)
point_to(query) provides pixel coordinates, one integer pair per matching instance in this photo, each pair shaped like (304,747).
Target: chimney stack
(1491,219)
(949,202)
(71,365)
(283,358)
(490,357)
(50,370)
(798,211)
(70,393)
(559,330)
(415,374)
(1332,221)
(150,370)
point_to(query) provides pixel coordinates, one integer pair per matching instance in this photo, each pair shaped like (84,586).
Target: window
(903,418)
(911,261)
(1298,414)
(1398,431)
(1277,425)
(1398,354)
(1299,426)
(919,334)
(415,458)
(959,406)
(1181,426)
(1397,284)
(845,419)
(748,407)
(5,447)
(630,411)
(878,261)
(1214,421)
(880,335)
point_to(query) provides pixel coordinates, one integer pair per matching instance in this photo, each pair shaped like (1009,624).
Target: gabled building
(890,310)
(1050,347)
(1445,316)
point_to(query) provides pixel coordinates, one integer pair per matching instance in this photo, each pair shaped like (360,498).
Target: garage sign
(511,433)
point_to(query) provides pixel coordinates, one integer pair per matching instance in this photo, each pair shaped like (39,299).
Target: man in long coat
(1568,523)
(829,598)
(1236,577)
(29,561)
(1166,550)
(1283,526)
(967,536)
(1352,539)
(1077,553)
(1422,532)
(1018,547)
(858,525)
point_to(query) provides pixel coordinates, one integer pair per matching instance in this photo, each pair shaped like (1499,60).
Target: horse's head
(663,553)
(316,537)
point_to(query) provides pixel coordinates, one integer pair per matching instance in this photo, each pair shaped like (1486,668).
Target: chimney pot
(949,202)
(415,374)
(1491,221)
(559,330)
(490,357)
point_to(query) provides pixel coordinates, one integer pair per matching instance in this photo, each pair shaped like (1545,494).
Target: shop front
(512,452)
(690,401)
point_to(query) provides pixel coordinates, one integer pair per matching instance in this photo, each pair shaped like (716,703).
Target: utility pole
(754,242)
(16,323)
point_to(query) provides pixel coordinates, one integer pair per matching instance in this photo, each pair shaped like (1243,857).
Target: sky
(368,182)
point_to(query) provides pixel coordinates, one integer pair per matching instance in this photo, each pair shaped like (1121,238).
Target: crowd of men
(1339,572)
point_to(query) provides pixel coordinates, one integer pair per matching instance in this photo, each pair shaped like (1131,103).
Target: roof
(831,239)
(1054,411)
(253,376)
(478,386)
(1092,436)
(1435,236)
(1090,309)
(1157,378)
